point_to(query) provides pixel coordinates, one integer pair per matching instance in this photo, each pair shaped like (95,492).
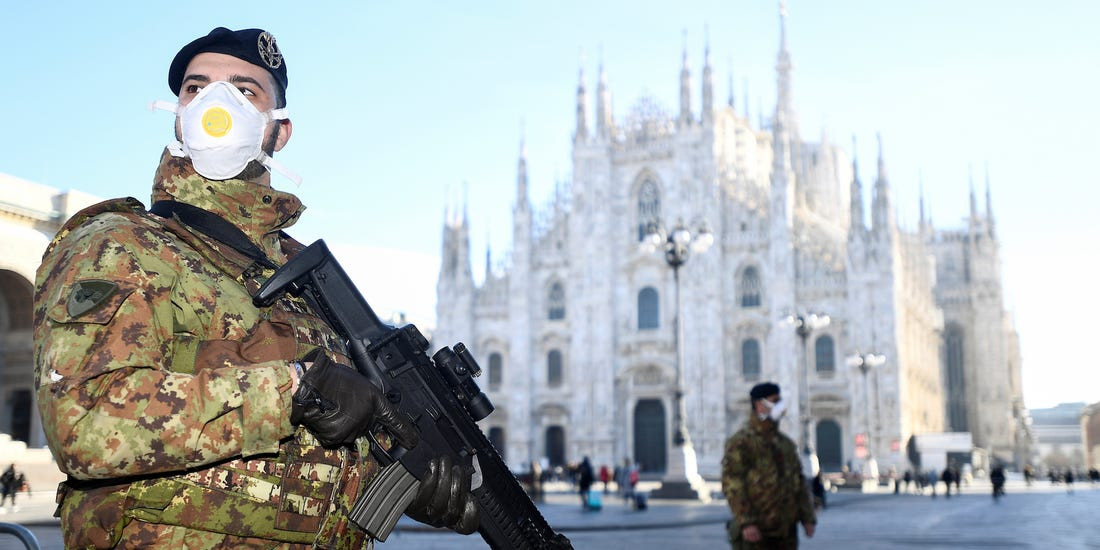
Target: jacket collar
(259,210)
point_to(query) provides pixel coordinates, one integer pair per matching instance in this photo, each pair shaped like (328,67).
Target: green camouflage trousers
(788,542)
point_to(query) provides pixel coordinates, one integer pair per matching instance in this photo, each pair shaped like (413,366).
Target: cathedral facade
(577,333)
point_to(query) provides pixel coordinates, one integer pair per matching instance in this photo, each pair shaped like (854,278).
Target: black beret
(762,390)
(255,46)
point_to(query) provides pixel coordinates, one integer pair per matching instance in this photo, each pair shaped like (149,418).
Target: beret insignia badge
(269,51)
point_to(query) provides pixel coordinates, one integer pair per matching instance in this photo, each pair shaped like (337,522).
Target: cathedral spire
(745,92)
(604,123)
(920,194)
(582,107)
(729,102)
(856,201)
(456,247)
(973,200)
(708,83)
(488,258)
(882,209)
(988,201)
(685,88)
(925,227)
(521,176)
(465,204)
(783,66)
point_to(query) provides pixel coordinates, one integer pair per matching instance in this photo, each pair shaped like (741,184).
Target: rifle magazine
(378,510)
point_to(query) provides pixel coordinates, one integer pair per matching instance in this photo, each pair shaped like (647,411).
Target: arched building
(30,214)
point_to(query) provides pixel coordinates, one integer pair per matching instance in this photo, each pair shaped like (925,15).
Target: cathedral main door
(650,441)
(555,446)
(830,455)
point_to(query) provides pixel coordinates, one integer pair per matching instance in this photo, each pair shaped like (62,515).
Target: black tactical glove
(444,498)
(337,404)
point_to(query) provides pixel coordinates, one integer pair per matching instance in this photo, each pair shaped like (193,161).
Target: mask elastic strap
(277,166)
(176,149)
(279,114)
(161,105)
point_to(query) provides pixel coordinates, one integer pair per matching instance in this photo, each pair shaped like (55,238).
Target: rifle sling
(213,226)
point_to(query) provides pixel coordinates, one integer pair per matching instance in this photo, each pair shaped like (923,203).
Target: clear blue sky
(396,104)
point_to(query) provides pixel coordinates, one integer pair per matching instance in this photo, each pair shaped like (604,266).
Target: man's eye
(246,91)
(192,88)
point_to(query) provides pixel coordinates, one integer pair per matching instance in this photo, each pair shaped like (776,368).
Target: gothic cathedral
(578,333)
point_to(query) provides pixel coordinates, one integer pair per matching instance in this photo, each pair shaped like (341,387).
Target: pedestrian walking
(907,477)
(1068,478)
(762,479)
(997,477)
(584,480)
(8,487)
(605,477)
(622,479)
(536,481)
(819,492)
(948,477)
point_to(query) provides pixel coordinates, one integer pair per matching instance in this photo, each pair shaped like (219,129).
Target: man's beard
(254,169)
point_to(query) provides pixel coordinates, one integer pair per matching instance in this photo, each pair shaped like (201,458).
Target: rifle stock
(438,394)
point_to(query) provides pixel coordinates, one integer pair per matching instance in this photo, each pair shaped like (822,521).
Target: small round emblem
(269,51)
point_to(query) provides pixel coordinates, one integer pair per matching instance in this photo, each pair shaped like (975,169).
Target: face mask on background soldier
(222,131)
(776,410)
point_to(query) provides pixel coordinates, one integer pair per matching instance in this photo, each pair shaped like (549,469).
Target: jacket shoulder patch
(88,295)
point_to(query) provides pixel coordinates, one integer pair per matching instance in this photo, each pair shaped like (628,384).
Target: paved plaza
(1040,517)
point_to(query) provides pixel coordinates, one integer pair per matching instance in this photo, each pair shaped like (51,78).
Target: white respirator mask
(223,131)
(775,410)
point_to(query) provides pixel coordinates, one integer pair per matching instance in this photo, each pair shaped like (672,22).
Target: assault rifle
(438,394)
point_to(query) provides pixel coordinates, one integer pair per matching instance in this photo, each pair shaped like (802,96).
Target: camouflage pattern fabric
(763,482)
(165,394)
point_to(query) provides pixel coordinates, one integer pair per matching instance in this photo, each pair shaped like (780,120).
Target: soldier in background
(184,415)
(762,479)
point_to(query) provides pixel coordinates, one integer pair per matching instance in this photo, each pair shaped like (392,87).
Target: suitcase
(595,500)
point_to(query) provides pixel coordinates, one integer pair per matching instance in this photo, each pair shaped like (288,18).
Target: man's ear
(285,129)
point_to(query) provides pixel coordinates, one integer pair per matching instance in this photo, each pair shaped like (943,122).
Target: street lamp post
(865,362)
(804,325)
(682,480)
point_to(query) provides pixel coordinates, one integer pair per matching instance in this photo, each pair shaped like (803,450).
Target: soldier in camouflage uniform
(184,416)
(762,479)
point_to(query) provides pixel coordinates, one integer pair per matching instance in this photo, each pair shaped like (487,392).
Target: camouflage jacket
(762,479)
(165,394)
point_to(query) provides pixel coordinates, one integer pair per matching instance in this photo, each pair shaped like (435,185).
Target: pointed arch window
(648,309)
(954,360)
(556,303)
(649,207)
(553,369)
(496,366)
(750,359)
(750,287)
(824,354)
